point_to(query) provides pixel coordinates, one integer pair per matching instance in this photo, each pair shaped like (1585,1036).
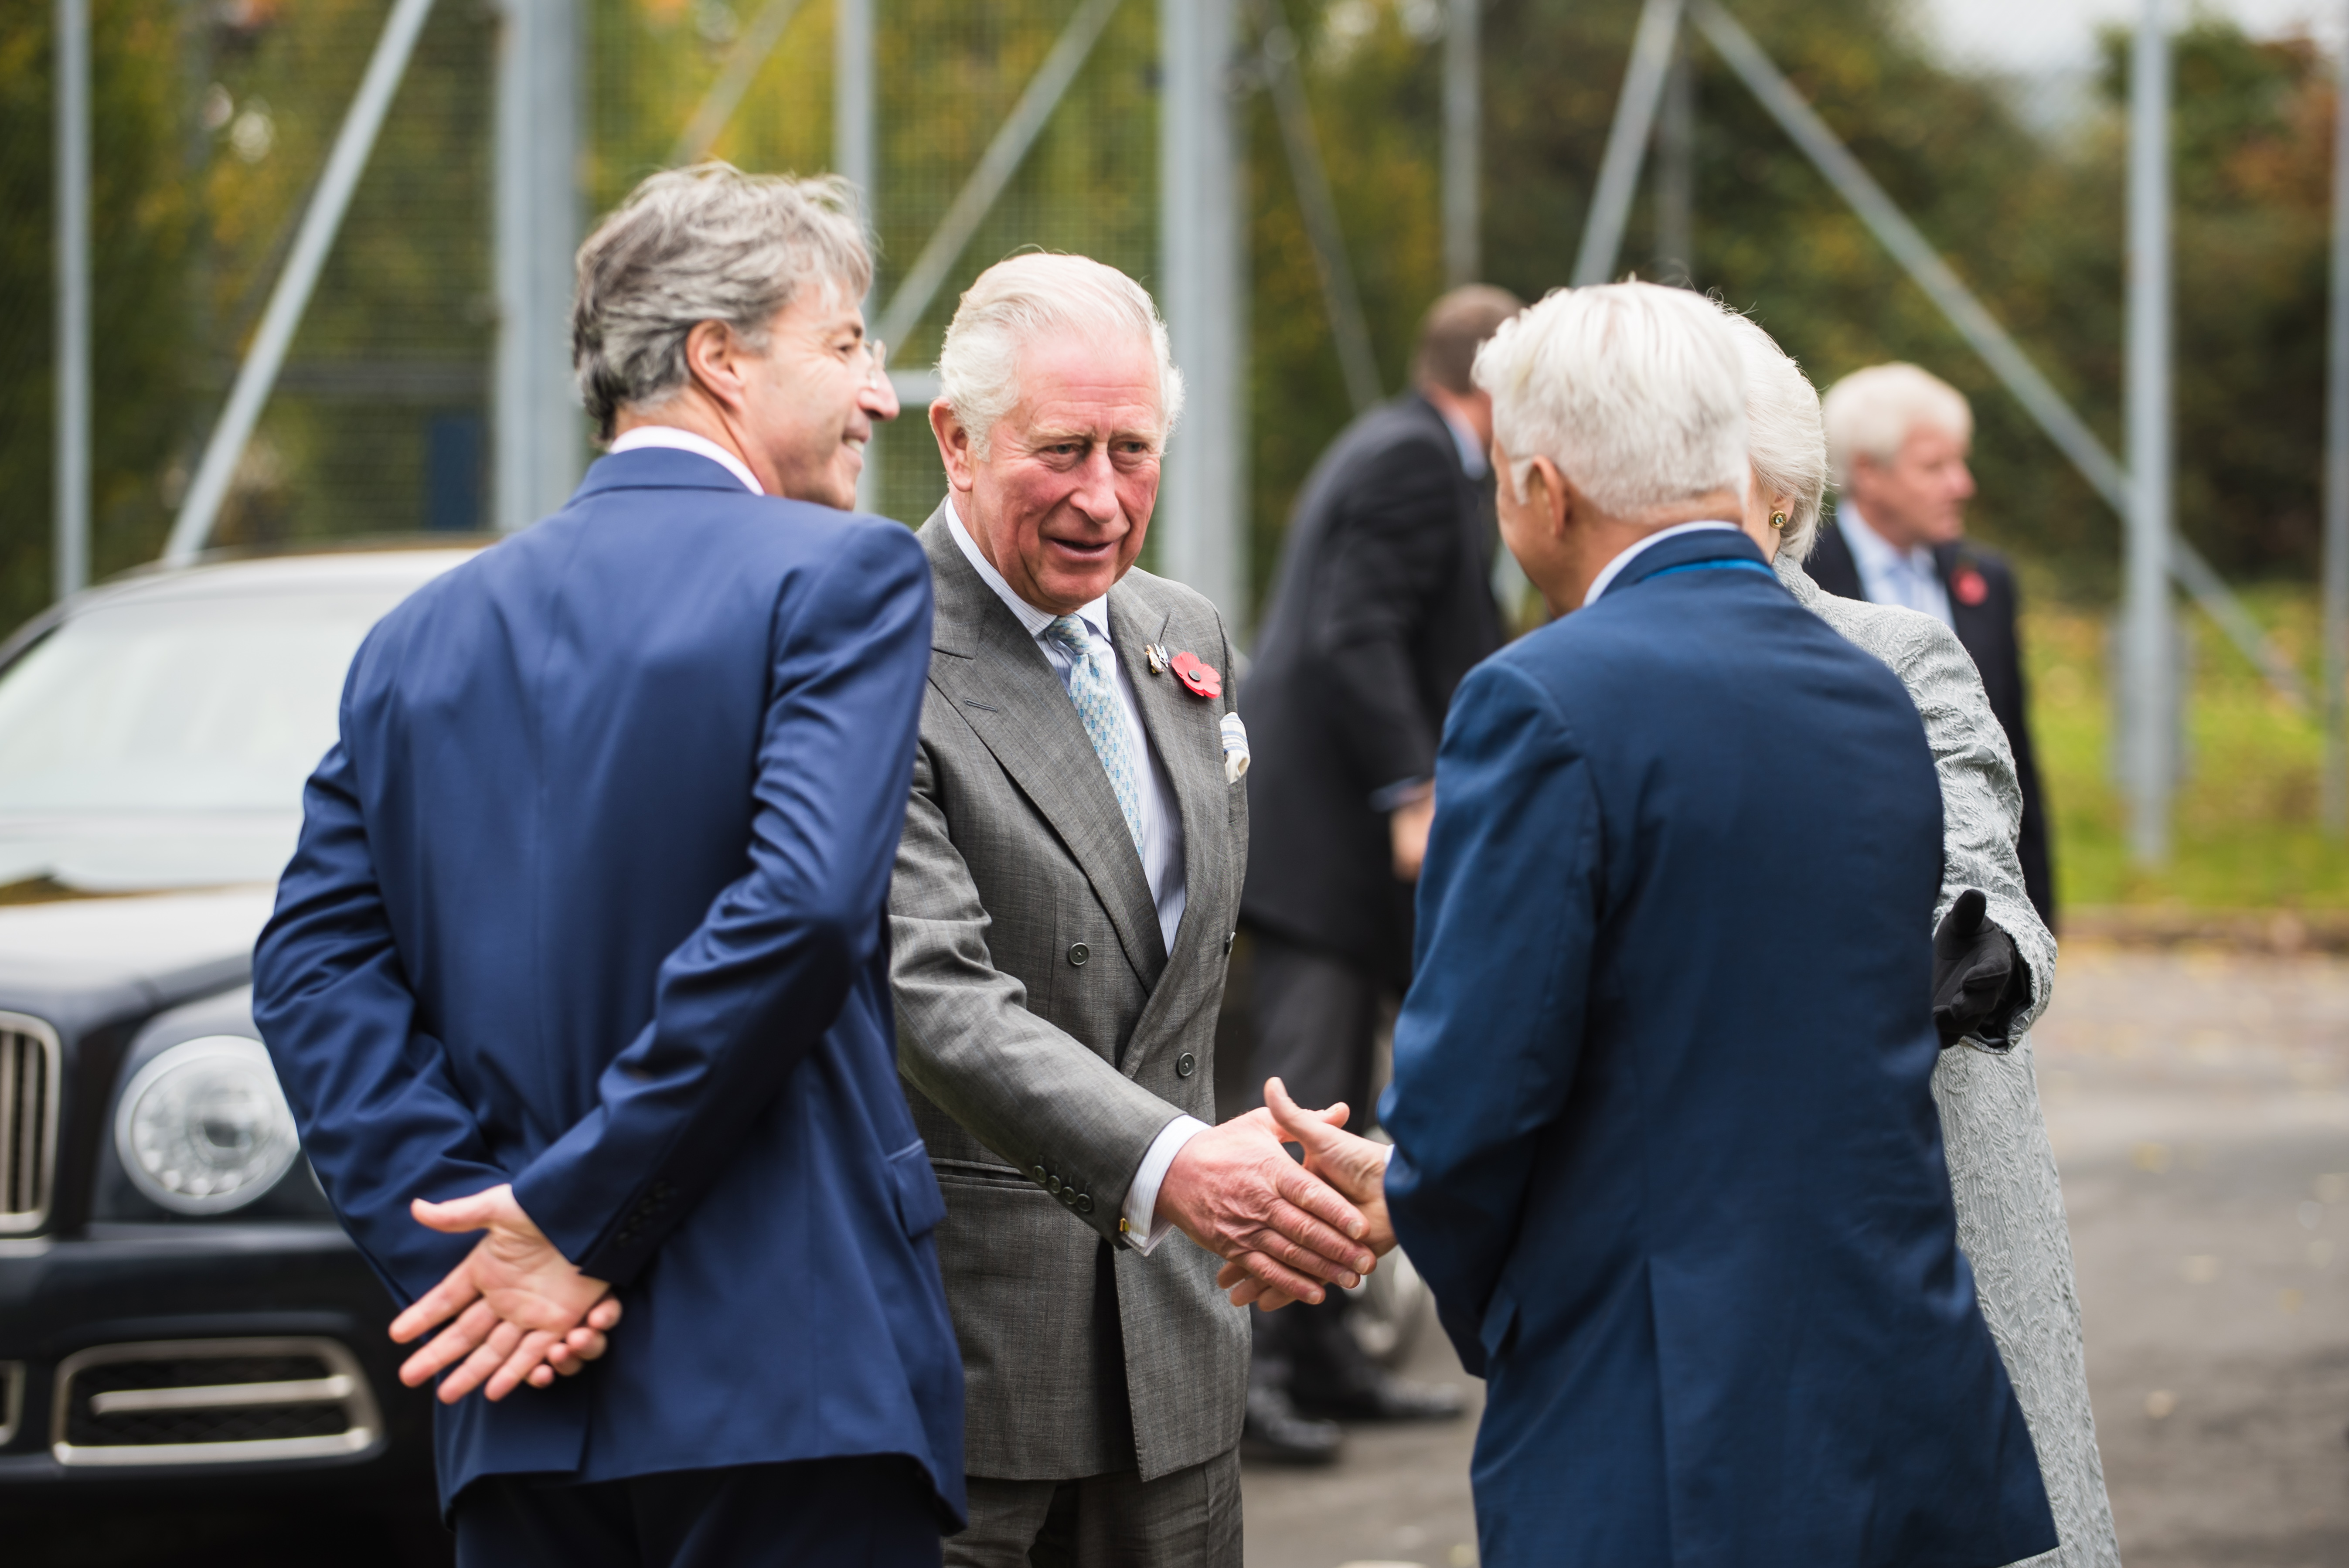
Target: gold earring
(1779,521)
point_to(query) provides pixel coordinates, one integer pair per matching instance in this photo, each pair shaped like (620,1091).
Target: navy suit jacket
(1665,1144)
(592,897)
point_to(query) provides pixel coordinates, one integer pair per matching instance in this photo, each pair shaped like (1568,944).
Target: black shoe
(1277,1434)
(1374,1394)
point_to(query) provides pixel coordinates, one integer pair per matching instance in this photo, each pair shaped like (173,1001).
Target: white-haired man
(1065,897)
(584,944)
(1898,439)
(1665,1144)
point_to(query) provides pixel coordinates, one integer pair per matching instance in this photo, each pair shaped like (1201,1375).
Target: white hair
(1785,439)
(1635,392)
(705,243)
(1016,301)
(1870,412)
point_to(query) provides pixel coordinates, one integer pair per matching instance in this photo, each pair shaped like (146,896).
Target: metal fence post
(536,230)
(1202,506)
(2148,706)
(1463,125)
(2336,808)
(72,347)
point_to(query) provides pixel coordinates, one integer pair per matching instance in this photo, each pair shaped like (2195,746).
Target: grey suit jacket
(2010,1222)
(1048,1036)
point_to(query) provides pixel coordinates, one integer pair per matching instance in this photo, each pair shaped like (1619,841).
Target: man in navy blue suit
(1665,1146)
(586,944)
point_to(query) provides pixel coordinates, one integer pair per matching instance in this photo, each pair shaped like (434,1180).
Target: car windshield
(195,705)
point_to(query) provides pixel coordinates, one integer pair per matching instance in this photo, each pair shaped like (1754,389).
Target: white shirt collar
(1614,569)
(678,441)
(1095,616)
(1472,450)
(1874,549)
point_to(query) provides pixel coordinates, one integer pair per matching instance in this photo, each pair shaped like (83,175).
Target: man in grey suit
(1063,910)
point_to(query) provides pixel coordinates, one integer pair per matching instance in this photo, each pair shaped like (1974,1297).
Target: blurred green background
(213,116)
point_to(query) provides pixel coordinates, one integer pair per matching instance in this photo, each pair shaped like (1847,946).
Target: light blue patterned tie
(1093,687)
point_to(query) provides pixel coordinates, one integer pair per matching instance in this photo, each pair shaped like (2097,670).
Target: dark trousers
(875,1511)
(1317,1020)
(1317,1024)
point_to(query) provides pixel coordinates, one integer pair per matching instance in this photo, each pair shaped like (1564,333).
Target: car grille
(28,1121)
(213,1401)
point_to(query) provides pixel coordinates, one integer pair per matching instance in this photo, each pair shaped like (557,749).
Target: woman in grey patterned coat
(2009,1208)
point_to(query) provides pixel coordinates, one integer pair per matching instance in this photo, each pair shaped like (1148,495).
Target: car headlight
(203,1128)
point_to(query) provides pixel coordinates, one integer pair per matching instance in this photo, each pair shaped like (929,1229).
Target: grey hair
(1020,299)
(1784,438)
(1870,412)
(705,243)
(1635,391)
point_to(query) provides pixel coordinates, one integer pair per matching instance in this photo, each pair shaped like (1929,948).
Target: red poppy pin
(1201,678)
(1968,586)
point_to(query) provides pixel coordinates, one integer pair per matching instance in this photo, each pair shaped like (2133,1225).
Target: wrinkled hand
(1235,1192)
(1977,984)
(1356,1167)
(523,1313)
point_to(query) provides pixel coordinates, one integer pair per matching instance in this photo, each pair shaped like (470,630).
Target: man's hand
(1407,827)
(1977,984)
(1235,1192)
(1355,1166)
(523,1313)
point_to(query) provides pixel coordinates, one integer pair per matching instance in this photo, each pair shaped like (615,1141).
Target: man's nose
(879,398)
(1096,491)
(1961,481)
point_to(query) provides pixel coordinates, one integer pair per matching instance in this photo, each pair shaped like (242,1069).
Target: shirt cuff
(1144,1229)
(1402,792)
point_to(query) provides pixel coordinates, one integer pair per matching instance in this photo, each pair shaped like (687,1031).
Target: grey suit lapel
(1183,731)
(999,680)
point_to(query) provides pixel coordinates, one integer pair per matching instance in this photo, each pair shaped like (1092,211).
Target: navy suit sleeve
(1488,1039)
(1395,538)
(380,1120)
(744,999)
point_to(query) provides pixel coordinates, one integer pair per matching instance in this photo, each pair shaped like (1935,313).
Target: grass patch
(2246,833)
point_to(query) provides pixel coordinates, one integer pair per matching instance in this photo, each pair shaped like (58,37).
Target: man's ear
(713,359)
(954,445)
(1554,494)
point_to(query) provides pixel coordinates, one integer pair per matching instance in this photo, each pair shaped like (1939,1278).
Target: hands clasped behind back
(1235,1192)
(521,1312)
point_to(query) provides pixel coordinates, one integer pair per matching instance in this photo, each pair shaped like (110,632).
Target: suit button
(1186,1065)
(1052,1185)
(1078,953)
(1084,1203)
(1038,1172)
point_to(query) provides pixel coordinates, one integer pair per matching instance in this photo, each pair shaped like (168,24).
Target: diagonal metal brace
(995,168)
(1981,330)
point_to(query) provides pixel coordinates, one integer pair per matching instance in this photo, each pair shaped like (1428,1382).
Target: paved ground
(2200,1106)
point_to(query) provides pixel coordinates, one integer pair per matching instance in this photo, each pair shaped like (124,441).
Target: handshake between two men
(517,1311)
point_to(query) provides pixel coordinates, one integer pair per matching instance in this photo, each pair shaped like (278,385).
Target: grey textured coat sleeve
(2003,1177)
(967,1038)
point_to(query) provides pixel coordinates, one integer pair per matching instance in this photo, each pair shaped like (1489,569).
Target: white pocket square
(1235,748)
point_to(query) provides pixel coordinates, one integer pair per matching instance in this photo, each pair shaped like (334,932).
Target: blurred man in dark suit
(1898,437)
(1383,603)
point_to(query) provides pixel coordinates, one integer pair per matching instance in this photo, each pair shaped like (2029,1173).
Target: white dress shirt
(675,439)
(1614,569)
(1162,849)
(1890,575)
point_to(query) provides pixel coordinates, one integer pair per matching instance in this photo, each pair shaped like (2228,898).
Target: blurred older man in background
(1383,603)
(1898,437)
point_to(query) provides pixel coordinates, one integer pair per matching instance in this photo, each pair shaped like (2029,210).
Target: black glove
(1977,984)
